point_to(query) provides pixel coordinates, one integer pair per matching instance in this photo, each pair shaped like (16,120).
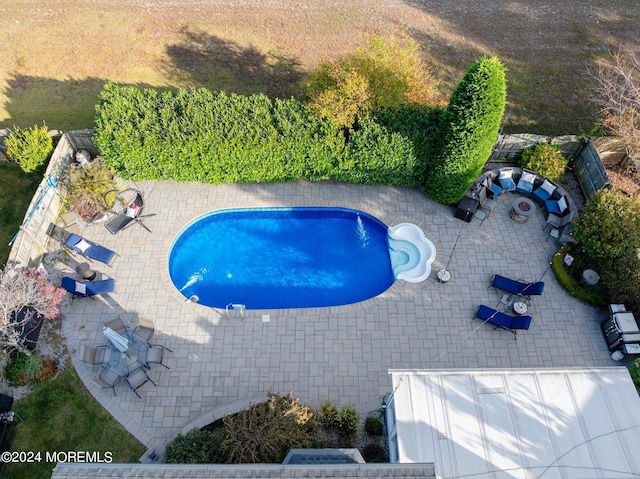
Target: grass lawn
(56,60)
(16,190)
(62,416)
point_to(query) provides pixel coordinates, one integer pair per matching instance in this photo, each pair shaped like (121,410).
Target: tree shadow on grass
(204,60)
(61,104)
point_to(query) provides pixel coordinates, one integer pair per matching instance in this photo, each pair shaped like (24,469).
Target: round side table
(444,275)
(520,307)
(86,272)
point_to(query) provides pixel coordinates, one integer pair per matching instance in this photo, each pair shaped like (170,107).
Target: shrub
(29,148)
(85,187)
(268,430)
(609,225)
(469,129)
(374,453)
(373,426)
(24,369)
(349,418)
(546,160)
(195,447)
(385,72)
(330,417)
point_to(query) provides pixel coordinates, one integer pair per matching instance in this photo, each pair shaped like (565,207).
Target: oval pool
(276,258)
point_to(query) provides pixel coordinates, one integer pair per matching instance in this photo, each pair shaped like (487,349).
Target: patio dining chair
(91,355)
(144,331)
(155,355)
(108,379)
(137,378)
(117,325)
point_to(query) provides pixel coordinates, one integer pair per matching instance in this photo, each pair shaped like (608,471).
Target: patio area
(220,365)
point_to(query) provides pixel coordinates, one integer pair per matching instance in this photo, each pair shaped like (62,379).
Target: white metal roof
(525,424)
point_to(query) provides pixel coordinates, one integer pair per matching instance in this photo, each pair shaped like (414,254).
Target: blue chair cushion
(507,184)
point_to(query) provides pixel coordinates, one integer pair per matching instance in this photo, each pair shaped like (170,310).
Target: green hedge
(214,137)
(469,130)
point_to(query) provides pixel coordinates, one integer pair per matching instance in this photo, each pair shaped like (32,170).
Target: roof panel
(558,423)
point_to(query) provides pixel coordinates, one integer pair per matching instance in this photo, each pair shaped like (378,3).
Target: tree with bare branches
(618,96)
(24,289)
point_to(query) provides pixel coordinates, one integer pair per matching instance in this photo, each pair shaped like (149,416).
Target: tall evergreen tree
(469,129)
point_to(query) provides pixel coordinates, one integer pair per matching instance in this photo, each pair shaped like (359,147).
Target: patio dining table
(122,362)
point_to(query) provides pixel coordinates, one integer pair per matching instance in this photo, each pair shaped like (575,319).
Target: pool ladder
(236,307)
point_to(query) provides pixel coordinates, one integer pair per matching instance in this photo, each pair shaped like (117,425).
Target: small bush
(267,431)
(24,369)
(330,417)
(349,419)
(85,187)
(195,447)
(546,160)
(29,148)
(373,426)
(386,72)
(374,453)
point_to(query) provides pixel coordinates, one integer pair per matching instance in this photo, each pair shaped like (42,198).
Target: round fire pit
(522,209)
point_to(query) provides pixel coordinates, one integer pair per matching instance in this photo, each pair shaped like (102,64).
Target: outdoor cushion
(548,187)
(82,245)
(525,184)
(81,288)
(544,192)
(556,207)
(507,183)
(130,212)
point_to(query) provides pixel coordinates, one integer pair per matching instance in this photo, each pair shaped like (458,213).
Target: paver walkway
(342,355)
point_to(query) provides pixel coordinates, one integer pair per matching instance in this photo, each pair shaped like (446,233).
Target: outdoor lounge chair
(502,320)
(83,289)
(517,287)
(525,183)
(127,206)
(89,249)
(545,190)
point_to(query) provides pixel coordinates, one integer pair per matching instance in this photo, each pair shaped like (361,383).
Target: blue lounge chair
(502,320)
(545,190)
(84,289)
(517,287)
(89,249)
(525,183)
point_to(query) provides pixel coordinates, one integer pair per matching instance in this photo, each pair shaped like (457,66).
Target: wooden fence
(510,147)
(30,243)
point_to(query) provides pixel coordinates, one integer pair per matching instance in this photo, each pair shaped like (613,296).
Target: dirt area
(56,58)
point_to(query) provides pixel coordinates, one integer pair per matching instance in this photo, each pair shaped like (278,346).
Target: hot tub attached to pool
(277,258)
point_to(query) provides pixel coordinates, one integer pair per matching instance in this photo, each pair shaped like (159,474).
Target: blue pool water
(272,258)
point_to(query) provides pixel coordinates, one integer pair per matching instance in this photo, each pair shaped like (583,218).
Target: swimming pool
(273,258)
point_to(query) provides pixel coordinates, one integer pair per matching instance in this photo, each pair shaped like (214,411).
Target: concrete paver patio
(220,365)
